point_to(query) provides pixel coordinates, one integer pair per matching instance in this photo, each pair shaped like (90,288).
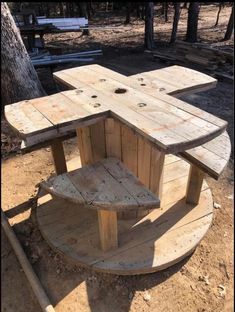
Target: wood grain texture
(148,244)
(194,185)
(161,119)
(58,157)
(105,185)
(108,229)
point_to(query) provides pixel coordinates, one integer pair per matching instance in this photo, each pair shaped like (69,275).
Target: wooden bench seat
(211,157)
(106,186)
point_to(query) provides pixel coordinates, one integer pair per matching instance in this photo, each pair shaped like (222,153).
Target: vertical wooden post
(108,229)
(58,156)
(194,185)
(156,171)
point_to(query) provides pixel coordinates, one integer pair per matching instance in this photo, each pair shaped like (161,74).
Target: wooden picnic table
(125,118)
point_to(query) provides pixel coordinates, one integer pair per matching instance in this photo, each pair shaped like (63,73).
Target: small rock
(58,271)
(147,296)
(225,234)
(204,278)
(217,206)
(222,290)
(192,287)
(229,196)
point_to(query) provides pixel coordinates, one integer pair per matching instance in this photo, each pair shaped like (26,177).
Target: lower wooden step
(152,243)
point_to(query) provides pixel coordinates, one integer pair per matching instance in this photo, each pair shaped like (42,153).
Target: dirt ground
(203,282)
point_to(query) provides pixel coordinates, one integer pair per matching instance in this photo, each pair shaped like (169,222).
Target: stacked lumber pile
(202,56)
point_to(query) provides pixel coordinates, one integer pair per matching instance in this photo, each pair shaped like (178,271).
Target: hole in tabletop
(143,84)
(78,91)
(94,96)
(120,91)
(102,80)
(96,105)
(141,104)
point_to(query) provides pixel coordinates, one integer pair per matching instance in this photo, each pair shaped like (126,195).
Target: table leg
(156,171)
(58,157)
(194,185)
(108,229)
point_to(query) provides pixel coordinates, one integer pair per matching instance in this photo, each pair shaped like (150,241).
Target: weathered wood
(153,243)
(194,185)
(108,229)
(211,157)
(161,119)
(156,173)
(58,157)
(105,185)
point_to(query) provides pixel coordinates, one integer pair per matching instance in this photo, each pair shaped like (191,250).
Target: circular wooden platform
(152,243)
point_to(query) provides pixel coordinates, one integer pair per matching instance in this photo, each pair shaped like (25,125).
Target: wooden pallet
(152,243)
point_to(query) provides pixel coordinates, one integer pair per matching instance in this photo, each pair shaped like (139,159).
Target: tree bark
(128,12)
(61,9)
(217,18)
(229,30)
(176,21)
(193,13)
(19,80)
(166,11)
(148,40)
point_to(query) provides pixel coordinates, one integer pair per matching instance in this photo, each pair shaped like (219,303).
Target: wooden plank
(98,141)
(108,229)
(58,157)
(144,159)
(113,138)
(134,187)
(129,148)
(156,176)
(63,188)
(194,186)
(24,118)
(85,146)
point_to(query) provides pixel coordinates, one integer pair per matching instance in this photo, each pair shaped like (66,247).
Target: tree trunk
(176,21)
(128,9)
(61,9)
(229,30)
(19,80)
(148,40)
(166,11)
(217,18)
(193,13)
(185,5)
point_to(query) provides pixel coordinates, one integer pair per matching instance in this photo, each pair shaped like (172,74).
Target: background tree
(149,12)
(19,80)
(128,13)
(192,24)
(229,30)
(175,21)
(221,5)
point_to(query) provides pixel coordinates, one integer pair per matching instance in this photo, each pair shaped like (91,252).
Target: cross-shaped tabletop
(170,124)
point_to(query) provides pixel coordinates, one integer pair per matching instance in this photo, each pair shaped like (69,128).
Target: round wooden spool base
(148,244)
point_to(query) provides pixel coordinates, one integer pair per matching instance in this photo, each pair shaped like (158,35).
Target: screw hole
(141,104)
(79,91)
(94,96)
(96,105)
(120,91)
(143,84)
(162,89)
